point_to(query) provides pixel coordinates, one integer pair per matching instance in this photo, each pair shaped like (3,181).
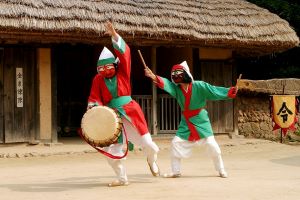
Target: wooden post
(154,93)
(45,94)
(54,103)
(1,97)
(235,132)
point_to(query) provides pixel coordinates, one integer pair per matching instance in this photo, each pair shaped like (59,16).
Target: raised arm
(122,50)
(110,30)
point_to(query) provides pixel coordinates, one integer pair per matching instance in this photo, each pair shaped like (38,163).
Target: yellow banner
(284,110)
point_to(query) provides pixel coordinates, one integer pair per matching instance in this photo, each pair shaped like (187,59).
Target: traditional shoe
(171,175)
(223,174)
(118,183)
(156,174)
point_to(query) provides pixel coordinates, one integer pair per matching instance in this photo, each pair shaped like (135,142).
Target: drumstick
(145,66)
(240,77)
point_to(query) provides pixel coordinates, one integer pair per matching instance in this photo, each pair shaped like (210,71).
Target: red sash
(194,136)
(187,113)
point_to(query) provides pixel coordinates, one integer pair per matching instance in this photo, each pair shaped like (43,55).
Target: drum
(101,126)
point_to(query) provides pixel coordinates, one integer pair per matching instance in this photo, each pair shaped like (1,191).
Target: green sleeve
(212,92)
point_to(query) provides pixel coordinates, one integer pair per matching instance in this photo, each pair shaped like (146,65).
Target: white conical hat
(106,57)
(185,67)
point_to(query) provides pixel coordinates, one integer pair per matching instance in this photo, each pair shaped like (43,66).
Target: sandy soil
(257,169)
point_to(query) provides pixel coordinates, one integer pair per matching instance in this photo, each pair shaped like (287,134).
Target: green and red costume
(195,123)
(116,92)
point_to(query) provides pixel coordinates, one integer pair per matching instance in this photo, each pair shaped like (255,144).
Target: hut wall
(254,118)
(44,66)
(215,54)
(167,57)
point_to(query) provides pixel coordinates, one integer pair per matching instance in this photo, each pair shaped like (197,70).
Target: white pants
(145,141)
(183,149)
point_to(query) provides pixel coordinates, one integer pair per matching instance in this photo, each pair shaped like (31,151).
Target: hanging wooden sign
(19,87)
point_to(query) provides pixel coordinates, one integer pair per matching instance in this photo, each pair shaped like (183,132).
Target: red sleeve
(122,51)
(159,82)
(95,94)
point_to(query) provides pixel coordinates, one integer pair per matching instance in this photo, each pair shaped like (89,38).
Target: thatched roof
(235,24)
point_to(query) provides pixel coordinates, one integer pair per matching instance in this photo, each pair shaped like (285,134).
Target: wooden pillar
(54,102)
(1,96)
(154,93)
(45,95)
(235,132)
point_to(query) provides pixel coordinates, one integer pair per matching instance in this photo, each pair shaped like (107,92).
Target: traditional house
(49,50)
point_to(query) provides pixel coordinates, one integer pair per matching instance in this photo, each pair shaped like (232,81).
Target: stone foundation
(253,104)
(254,117)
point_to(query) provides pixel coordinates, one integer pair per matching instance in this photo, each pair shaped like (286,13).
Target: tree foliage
(278,65)
(286,9)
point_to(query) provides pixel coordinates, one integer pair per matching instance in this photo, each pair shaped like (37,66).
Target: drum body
(101,126)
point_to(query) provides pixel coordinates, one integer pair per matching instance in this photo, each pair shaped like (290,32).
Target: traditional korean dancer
(194,128)
(111,87)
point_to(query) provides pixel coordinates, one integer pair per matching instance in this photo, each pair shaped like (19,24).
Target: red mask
(108,71)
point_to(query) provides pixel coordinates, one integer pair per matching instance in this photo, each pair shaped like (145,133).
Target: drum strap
(119,101)
(104,152)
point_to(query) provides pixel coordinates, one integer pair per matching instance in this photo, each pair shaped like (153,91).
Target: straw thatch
(235,24)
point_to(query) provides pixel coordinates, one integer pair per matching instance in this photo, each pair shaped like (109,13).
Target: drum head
(100,124)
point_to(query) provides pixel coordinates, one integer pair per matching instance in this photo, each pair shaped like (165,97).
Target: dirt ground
(257,169)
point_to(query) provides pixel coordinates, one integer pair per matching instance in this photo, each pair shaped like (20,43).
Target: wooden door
(221,113)
(19,94)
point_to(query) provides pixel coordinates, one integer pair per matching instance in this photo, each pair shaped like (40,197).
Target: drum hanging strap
(104,152)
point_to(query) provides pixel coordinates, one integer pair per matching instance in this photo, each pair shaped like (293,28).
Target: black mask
(181,77)
(186,78)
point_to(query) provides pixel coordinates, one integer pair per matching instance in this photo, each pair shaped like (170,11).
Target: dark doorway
(75,67)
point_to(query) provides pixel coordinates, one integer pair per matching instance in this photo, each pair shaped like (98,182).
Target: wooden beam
(154,93)
(1,97)
(54,102)
(45,100)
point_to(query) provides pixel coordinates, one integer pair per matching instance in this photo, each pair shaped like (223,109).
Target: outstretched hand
(232,92)
(149,73)
(110,30)
(235,90)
